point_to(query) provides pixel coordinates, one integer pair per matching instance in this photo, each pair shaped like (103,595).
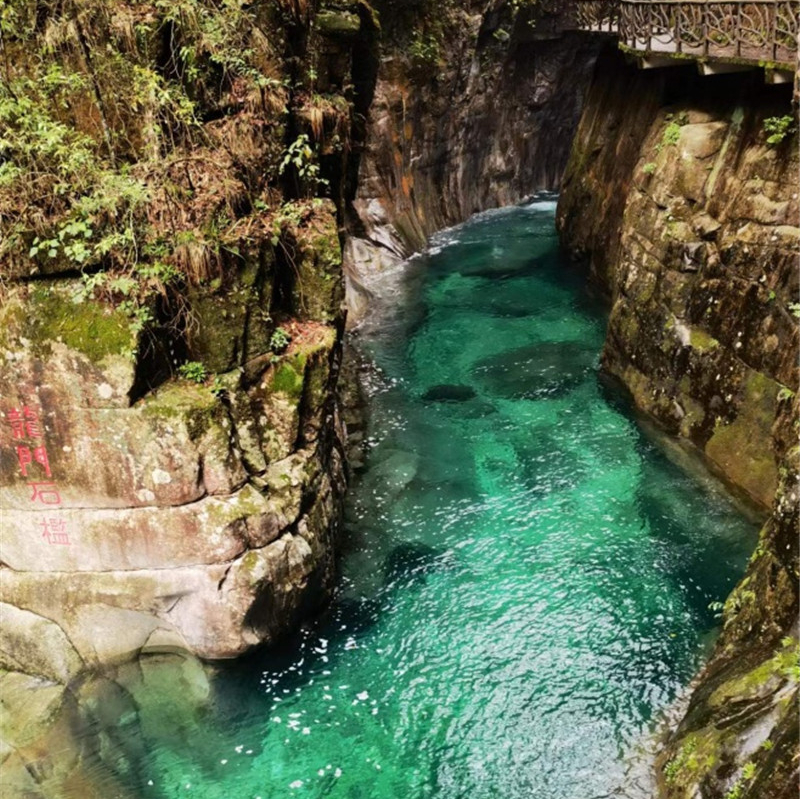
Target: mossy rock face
(181,401)
(163,481)
(337,24)
(230,318)
(762,680)
(289,376)
(702,341)
(93,328)
(57,312)
(738,448)
(86,349)
(318,291)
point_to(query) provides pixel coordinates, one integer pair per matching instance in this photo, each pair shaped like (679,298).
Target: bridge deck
(761,32)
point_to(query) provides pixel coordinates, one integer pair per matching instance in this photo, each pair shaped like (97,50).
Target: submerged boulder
(546,369)
(448,392)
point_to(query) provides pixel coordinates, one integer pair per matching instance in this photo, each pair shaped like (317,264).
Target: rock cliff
(171,465)
(474,108)
(689,217)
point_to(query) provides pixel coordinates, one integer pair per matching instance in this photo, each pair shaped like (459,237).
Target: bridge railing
(752,30)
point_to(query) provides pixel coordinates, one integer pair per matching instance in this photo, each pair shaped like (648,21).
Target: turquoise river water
(526,575)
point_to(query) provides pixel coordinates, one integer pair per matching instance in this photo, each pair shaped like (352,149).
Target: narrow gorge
(306,491)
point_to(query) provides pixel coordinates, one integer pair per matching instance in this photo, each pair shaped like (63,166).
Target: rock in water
(410,562)
(396,469)
(447,392)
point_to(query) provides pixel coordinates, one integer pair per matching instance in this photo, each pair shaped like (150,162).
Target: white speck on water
(363,696)
(337,773)
(296,784)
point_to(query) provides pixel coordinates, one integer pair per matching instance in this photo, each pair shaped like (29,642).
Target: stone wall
(171,458)
(484,122)
(199,516)
(690,221)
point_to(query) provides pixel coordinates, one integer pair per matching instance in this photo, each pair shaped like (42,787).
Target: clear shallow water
(526,578)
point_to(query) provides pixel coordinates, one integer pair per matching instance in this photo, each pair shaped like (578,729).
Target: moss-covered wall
(689,218)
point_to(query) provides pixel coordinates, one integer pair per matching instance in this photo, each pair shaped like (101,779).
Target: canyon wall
(474,110)
(690,221)
(171,468)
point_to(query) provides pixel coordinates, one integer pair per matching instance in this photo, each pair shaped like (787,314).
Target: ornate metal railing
(597,15)
(753,30)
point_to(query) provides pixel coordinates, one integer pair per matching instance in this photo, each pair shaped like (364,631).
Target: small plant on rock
(279,340)
(193,371)
(778,129)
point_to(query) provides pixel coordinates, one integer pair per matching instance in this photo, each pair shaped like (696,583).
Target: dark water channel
(526,579)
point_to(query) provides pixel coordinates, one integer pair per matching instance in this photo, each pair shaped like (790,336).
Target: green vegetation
(737,790)
(193,371)
(279,340)
(649,168)
(300,155)
(95,329)
(157,150)
(672,132)
(778,129)
(424,50)
(106,163)
(289,376)
(697,754)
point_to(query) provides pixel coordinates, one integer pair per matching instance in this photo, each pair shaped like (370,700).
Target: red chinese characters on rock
(55,531)
(35,465)
(24,423)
